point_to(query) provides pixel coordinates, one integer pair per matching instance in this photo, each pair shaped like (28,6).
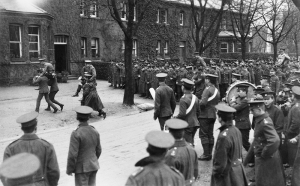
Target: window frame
(233,49)
(19,42)
(84,49)
(181,18)
(221,48)
(83,11)
(158,48)
(239,47)
(96,47)
(123,47)
(134,47)
(38,42)
(164,16)
(123,9)
(158,15)
(94,12)
(166,48)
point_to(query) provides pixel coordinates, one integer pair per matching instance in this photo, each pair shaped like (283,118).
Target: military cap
(222,107)
(210,76)
(237,76)
(259,90)
(267,94)
(28,119)
(83,110)
(188,67)
(196,52)
(272,69)
(42,59)
(286,89)
(296,90)
(161,75)
(160,139)
(87,61)
(242,86)
(258,99)
(187,83)
(20,166)
(265,76)
(176,124)
(87,74)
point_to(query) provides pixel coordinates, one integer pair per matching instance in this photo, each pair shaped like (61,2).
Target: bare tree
(297,3)
(294,36)
(207,21)
(276,16)
(243,13)
(130,9)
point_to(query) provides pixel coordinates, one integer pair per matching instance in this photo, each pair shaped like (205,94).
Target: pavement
(122,132)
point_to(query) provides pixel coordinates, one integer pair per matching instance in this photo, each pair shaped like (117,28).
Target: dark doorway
(61,58)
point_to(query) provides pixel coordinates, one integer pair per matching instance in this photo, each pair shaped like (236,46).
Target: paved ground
(122,132)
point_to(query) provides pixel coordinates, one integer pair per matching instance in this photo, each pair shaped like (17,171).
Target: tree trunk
(243,45)
(296,45)
(197,39)
(128,98)
(275,51)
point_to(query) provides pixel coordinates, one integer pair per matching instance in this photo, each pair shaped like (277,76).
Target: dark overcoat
(165,103)
(207,107)
(242,120)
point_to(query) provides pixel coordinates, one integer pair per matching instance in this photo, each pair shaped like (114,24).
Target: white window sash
(223,48)
(157,15)
(20,41)
(233,47)
(166,50)
(134,48)
(38,40)
(83,47)
(123,9)
(181,19)
(93,10)
(158,47)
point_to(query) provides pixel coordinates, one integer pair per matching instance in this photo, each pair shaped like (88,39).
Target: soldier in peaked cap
(265,82)
(235,77)
(189,110)
(48,173)
(90,69)
(85,150)
(227,162)
(152,169)
(265,147)
(182,156)
(207,118)
(274,81)
(240,103)
(164,103)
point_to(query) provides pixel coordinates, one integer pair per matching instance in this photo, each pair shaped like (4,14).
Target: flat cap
(28,119)
(222,107)
(160,139)
(176,123)
(161,75)
(19,166)
(296,90)
(83,110)
(87,61)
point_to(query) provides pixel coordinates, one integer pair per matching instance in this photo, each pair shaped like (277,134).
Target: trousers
(206,132)
(189,134)
(162,121)
(245,138)
(40,97)
(85,179)
(52,98)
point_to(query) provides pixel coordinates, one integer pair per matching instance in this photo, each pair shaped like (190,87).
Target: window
(83,11)
(123,47)
(93,10)
(60,40)
(224,47)
(181,17)
(250,46)
(239,47)
(123,11)
(232,46)
(134,48)
(166,48)
(182,51)
(157,16)
(134,12)
(34,45)
(223,24)
(197,18)
(95,47)
(158,48)
(164,14)
(83,47)
(15,41)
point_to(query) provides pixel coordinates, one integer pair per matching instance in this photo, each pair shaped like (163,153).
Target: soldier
(274,82)
(225,76)
(53,91)
(265,147)
(48,172)
(90,69)
(148,80)
(227,162)
(207,118)
(181,74)
(182,156)
(242,121)
(257,73)
(291,130)
(245,73)
(199,83)
(235,77)
(84,151)
(165,102)
(142,82)
(189,110)
(153,170)
(136,76)
(190,73)
(265,79)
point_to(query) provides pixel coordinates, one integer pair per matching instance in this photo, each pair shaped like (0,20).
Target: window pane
(14,33)
(94,52)
(93,43)
(14,50)
(33,30)
(33,54)
(33,46)
(33,38)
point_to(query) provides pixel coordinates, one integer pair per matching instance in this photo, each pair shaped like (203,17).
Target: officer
(291,130)
(240,104)
(189,110)
(165,103)
(85,150)
(48,172)
(153,170)
(182,156)
(227,162)
(207,118)
(274,82)
(265,147)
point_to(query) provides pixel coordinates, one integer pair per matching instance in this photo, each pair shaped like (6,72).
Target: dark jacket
(275,84)
(207,108)
(192,117)
(155,172)
(293,124)
(199,85)
(165,102)
(85,149)
(268,165)
(184,158)
(90,70)
(228,169)
(43,84)
(53,84)
(242,120)
(277,117)
(48,174)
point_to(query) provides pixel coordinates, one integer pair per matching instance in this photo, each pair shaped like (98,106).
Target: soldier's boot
(205,156)
(77,91)
(101,112)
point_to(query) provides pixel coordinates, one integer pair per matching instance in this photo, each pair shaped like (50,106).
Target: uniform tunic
(153,172)
(90,70)
(48,174)
(227,162)
(268,165)
(184,158)
(274,84)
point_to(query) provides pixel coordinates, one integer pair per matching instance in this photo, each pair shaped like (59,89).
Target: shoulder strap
(192,104)
(214,95)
